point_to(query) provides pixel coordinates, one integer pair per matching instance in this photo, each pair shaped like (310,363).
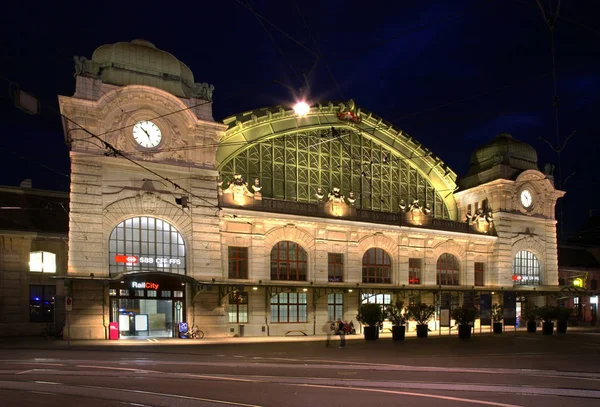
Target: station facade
(270,223)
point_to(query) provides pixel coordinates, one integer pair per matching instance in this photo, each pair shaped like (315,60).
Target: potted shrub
(396,315)
(372,316)
(465,318)
(421,314)
(563,314)
(547,314)
(530,314)
(497,317)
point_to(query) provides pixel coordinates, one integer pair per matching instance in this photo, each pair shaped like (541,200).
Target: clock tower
(142,144)
(504,181)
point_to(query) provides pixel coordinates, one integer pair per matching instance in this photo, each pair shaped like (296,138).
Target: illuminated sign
(159,261)
(143,284)
(578,282)
(517,278)
(126,259)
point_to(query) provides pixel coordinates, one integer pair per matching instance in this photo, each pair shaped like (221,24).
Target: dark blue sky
(451,74)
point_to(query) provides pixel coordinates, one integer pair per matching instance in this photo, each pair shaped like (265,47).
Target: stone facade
(178,181)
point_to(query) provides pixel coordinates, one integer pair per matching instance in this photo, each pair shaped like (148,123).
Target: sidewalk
(44,343)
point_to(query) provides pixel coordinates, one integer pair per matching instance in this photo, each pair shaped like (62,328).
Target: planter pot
(561,327)
(370,333)
(422,331)
(398,333)
(547,328)
(531,327)
(497,327)
(464,331)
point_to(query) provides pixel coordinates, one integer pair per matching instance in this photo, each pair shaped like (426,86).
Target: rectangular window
(288,307)
(41,303)
(178,294)
(479,274)
(112,292)
(381,299)
(414,271)
(238,262)
(123,292)
(335,272)
(166,293)
(335,306)
(42,262)
(238,308)
(139,293)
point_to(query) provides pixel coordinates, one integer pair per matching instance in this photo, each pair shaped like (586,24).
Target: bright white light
(301,108)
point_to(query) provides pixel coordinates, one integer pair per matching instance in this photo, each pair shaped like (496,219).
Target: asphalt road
(503,370)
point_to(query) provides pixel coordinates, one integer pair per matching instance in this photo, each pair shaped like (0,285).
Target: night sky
(452,74)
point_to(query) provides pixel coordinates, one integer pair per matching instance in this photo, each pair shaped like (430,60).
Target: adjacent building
(270,223)
(33,250)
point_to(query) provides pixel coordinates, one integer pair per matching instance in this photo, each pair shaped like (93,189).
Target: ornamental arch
(293,156)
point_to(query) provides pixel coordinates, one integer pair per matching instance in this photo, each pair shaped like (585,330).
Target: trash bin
(241,331)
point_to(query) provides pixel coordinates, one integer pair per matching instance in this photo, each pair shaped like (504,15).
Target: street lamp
(301,108)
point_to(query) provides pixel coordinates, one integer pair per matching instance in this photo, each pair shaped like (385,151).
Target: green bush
(370,314)
(530,313)
(465,315)
(497,313)
(564,313)
(421,313)
(396,313)
(548,313)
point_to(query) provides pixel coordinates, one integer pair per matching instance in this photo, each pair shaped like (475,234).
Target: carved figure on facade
(351,198)
(203,91)
(349,112)
(337,202)
(238,189)
(416,212)
(148,202)
(84,66)
(256,188)
(319,194)
(482,220)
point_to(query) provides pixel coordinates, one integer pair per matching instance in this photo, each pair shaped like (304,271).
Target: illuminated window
(335,268)
(288,262)
(288,307)
(41,303)
(238,308)
(42,262)
(414,271)
(335,306)
(238,262)
(478,274)
(447,270)
(156,244)
(526,269)
(381,299)
(376,267)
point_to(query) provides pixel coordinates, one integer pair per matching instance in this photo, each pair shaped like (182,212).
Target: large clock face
(526,198)
(147,134)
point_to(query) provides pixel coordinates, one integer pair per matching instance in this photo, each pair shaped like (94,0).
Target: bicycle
(194,333)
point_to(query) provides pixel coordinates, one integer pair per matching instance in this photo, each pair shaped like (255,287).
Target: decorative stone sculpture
(256,188)
(337,202)
(238,188)
(203,91)
(351,198)
(319,195)
(349,112)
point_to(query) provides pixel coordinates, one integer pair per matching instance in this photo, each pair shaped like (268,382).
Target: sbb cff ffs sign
(517,278)
(122,258)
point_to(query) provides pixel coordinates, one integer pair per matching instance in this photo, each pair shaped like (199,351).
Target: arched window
(526,269)
(146,244)
(376,267)
(447,270)
(288,262)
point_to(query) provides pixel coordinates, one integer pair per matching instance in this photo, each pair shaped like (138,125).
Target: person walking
(342,330)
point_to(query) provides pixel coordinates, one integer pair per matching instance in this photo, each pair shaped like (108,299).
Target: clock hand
(145,132)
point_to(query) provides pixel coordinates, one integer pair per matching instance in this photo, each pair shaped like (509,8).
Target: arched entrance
(148,289)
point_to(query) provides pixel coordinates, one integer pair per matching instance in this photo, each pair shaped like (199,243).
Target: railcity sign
(144,284)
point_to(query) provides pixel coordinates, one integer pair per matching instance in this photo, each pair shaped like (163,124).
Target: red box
(113,331)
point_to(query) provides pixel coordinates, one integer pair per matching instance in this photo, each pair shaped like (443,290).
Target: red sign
(122,258)
(113,328)
(516,278)
(68,304)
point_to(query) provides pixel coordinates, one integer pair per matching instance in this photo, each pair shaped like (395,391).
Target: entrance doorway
(147,305)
